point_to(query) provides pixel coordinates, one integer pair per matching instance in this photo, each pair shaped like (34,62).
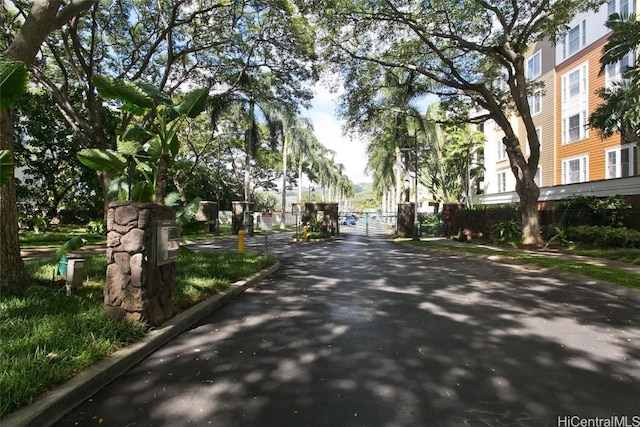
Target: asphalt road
(365,332)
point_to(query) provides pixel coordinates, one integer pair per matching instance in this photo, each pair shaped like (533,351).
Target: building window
(574,83)
(574,127)
(622,161)
(534,66)
(538,178)
(575,39)
(575,170)
(535,102)
(614,72)
(502,182)
(575,99)
(502,151)
(618,6)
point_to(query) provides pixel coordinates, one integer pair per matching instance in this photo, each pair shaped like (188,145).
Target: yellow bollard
(241,240)
(304,233)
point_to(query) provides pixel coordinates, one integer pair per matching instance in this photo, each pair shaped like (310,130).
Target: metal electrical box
(166,243)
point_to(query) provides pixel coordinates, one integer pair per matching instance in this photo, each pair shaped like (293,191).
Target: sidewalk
(611,288)
(601,262)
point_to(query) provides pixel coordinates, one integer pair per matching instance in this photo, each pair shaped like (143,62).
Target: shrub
(97,226)
(590,210)
(604,237)
(507,231)
(431,224)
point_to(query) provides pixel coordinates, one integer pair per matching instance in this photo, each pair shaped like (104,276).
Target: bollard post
(241,240)
(304,233)
(366,222)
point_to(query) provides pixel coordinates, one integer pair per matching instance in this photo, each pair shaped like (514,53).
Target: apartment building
(574,159)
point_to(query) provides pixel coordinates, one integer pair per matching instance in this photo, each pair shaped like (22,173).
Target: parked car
(349,220)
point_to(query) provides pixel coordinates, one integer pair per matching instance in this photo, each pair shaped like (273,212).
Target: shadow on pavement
(367,333)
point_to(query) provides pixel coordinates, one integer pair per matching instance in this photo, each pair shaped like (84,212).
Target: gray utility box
(166,243)
(75,272)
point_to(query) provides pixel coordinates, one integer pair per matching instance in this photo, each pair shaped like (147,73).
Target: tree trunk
(45,16)
(12,270)
(284,181)
(300,180)
(529,193)
(161,184)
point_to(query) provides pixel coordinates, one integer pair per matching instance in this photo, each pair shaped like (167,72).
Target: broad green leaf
(142,192)
(174,144)
(6,166)
(111,88)
(136,133)
(144,167)
(172,199)
(70,245)
(129,147)
(194,103)
(107,161)
(14,78)
(118,189)
(155,148)
(153,92)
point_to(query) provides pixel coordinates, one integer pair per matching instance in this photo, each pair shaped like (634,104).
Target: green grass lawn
(32,239)
(48,337)
(616,276)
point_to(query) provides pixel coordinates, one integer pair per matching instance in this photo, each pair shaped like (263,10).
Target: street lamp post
(416,223)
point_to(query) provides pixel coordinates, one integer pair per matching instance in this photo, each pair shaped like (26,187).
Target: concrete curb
(55,404)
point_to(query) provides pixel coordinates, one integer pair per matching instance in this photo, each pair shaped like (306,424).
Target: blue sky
(328,129)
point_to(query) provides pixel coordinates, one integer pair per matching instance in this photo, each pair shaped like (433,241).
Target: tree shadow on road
(367,333)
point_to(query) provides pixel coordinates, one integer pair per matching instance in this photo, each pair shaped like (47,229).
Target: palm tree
(306,152)
(620,111)
(389,121)
(295,132)
(255,105)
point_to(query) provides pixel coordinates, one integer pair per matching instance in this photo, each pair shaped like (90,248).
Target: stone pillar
(208,212)
(135,288)
(406,212)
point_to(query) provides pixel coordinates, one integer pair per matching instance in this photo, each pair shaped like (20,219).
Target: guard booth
(243,217)
(322,215)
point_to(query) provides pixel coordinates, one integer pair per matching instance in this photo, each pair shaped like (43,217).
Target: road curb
(55,404)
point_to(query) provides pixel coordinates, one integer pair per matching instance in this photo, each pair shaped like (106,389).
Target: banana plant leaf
(110,88)
(154,93)
(70,245)
(142,192)
(136,133)
(194,103)
(129,147)
(101,160)
(14,78)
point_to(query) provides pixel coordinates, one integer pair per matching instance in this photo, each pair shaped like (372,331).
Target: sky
(328,129)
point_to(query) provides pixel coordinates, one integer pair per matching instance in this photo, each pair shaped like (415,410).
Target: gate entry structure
(325,215)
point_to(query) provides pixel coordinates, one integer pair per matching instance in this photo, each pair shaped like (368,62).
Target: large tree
(45,17)
(473,50)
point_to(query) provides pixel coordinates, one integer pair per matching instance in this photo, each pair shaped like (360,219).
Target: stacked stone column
(135,288)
